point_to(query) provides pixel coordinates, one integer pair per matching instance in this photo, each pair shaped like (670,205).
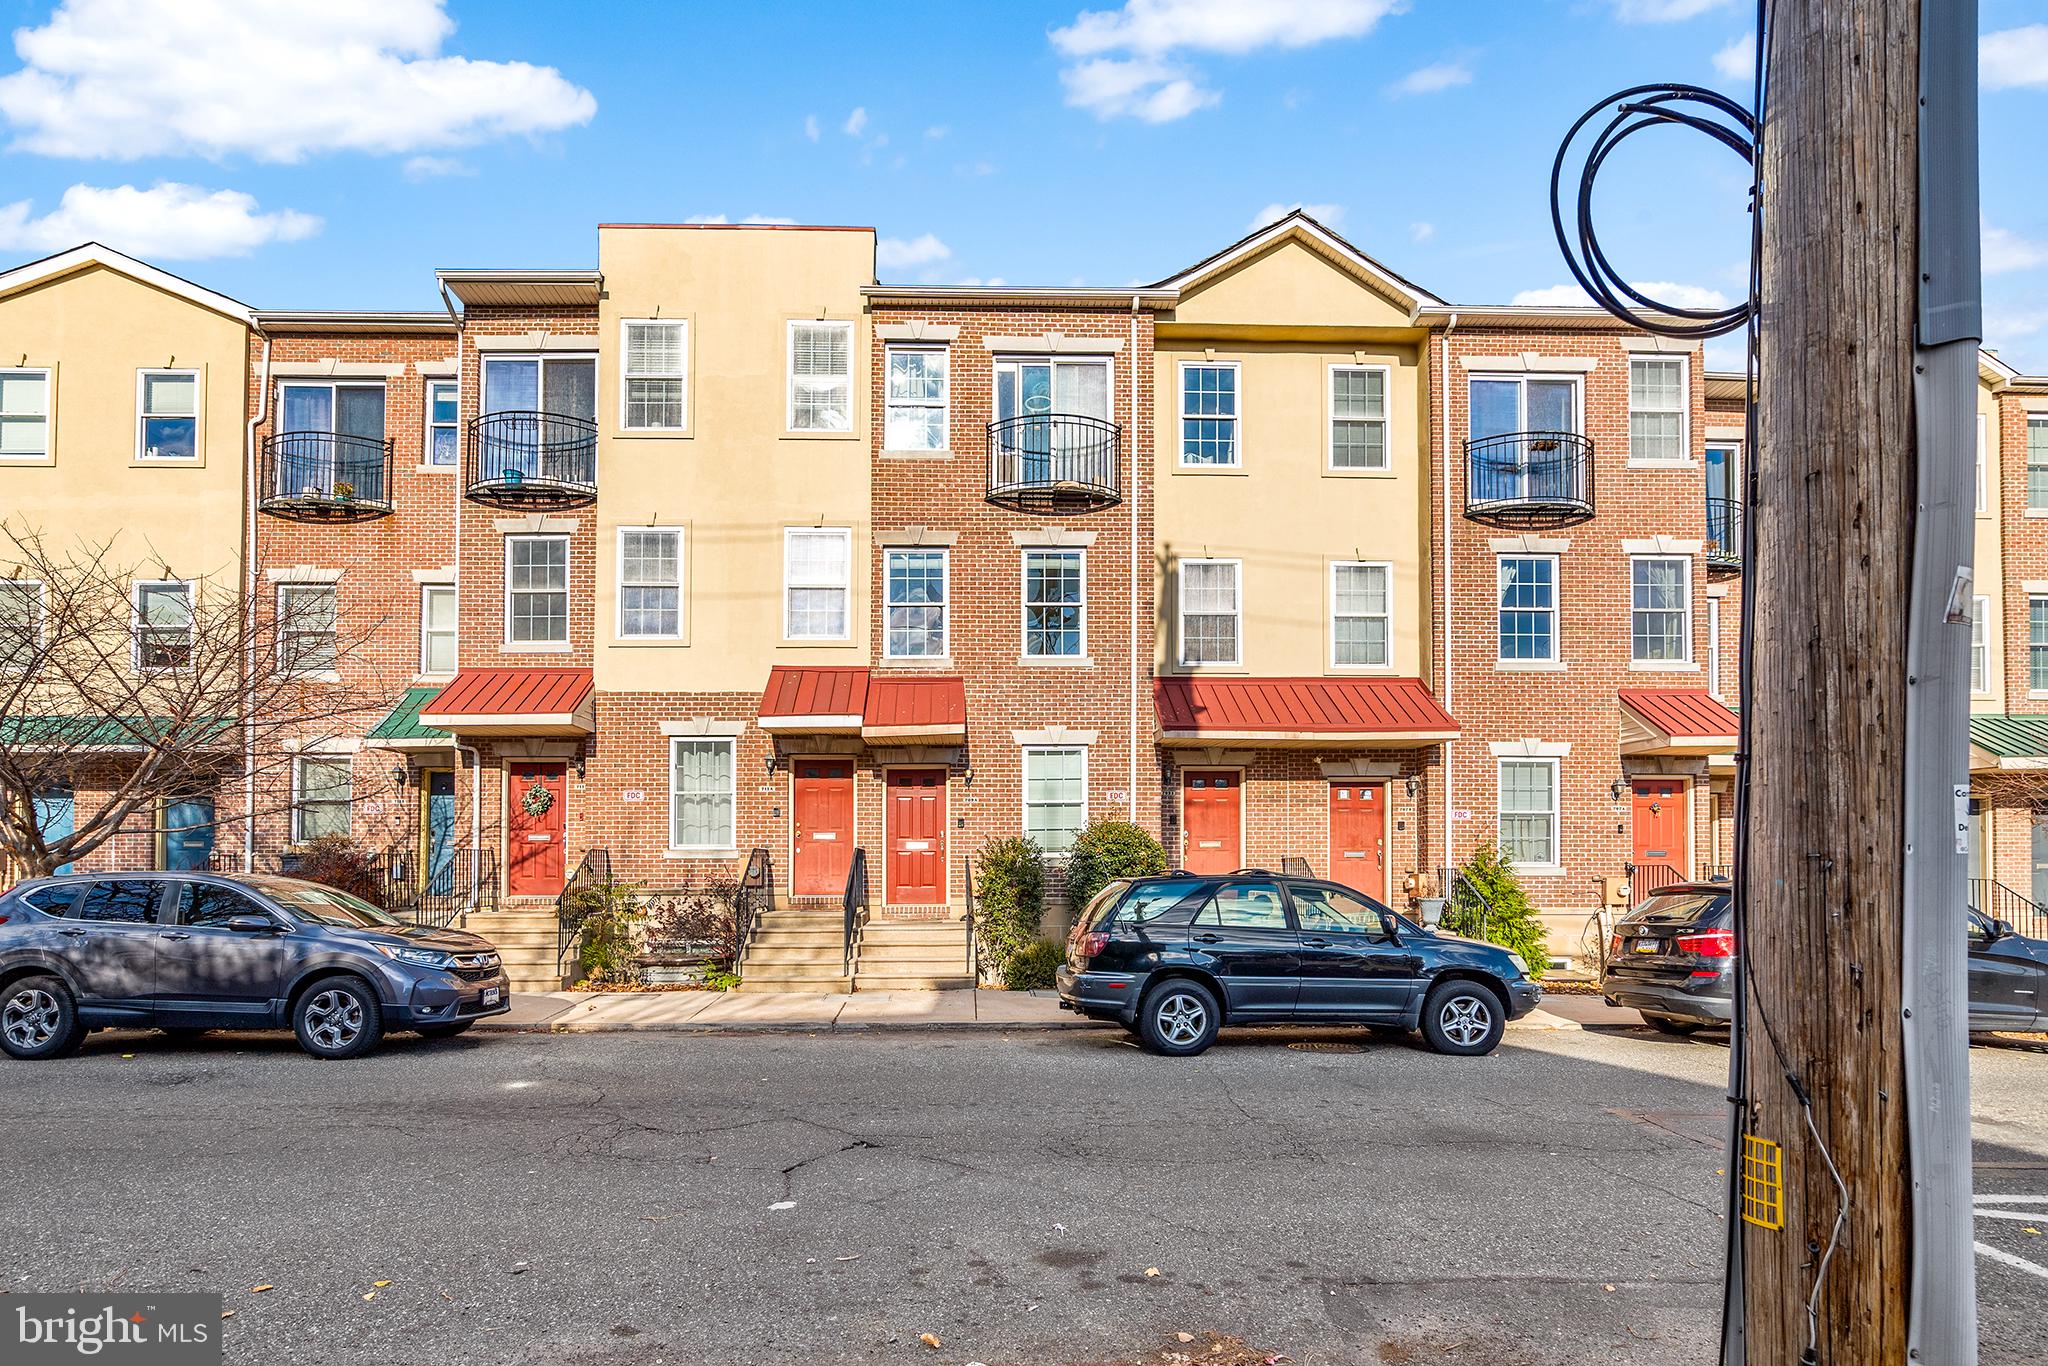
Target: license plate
(490,996)
(1646,946)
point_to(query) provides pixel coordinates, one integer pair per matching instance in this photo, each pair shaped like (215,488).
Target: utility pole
(1862,485)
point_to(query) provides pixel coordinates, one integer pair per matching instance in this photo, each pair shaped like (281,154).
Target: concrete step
(911,935)
(867,982)
(834,958)
(835,935)
(507,940)
(816,986)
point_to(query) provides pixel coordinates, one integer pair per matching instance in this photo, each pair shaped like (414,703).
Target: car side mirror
(251,924)
(2001,928)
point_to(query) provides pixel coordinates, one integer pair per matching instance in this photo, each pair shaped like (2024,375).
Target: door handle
(177,934)
(1208,938)
(72,934)
(1317,943)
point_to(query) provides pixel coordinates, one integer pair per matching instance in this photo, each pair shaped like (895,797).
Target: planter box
(671,969)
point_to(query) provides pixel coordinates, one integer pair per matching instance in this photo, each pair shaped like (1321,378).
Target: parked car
(1176,957)
(186,952)
(1673,960)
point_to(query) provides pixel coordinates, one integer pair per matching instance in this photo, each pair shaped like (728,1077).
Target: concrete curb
(1550,1024)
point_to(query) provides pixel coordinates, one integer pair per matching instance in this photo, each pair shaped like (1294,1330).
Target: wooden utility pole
(1856,701)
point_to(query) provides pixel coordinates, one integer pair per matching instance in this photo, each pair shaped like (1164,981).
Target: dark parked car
(195,951)
(1176,957)
(1673,959)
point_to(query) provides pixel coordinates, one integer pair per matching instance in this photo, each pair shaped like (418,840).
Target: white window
(24,414)
(1714,647)
(702,789)
(1208,415)
(21,623)
(1656,408)
(1209,612)
(1055,604)
(444,410)
(1358,417)
(1528,811)
(650,583)
(1980,645)
(1528,609)
(915,584)
(163,625)
(1660,616)
(167,415)
(653,394)
(1361,614)
(437,628)
(816,564)
(305,628)
(1055,795)
(821,377)
(917,400)
(320,797)
(536,590)
(1981,437)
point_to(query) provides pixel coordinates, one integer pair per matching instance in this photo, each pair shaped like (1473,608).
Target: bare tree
(154,688)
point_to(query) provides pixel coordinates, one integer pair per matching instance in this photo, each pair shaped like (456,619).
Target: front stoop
(913,955)
(527,938)
(797,950)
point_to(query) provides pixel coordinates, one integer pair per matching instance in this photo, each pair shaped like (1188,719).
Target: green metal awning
(110,732)
(401,728)
(1999,741)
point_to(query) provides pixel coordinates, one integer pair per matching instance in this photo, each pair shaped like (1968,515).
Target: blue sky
(333,155)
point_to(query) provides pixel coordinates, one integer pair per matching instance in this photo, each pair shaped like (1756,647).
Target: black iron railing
(1724,533)
(532,459)
(2001,902)
(324,474)
(1529,477)
(1720,872)
(855,903)
(439,892)
(757,898)
(572,909)
(1054,461)
(1645,879)
(967,862)
(1294,865)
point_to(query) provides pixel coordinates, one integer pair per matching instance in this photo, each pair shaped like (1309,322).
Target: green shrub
(607,916)
(1031,968)
(1487,902)
(1105,850)
(1010,877)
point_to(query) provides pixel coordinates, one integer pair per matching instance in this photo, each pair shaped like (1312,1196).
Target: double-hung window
(2037,644)
(24,414)
(2037,464)
(1208,415)
(1361,614)
(1980,644)
(702,789)
(444,404)
(1528,609)
(1358,417)
(320,797)
(167,415)
(821,376)
(537,590)
(306,628)
(915,582)
(21,624)
(650,583)
(1983,492)
(816,568)
(1656,409)
(1211,608)
(917,399)
(437,628)
(163,625)
(1055,604)
(1660,616)
(1528,811)
(654,393)
(1055,795)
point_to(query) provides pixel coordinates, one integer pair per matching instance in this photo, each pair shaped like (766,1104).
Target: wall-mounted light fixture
(1414,784)
(768,764)
(1618,788)
(398,775)
(967,775)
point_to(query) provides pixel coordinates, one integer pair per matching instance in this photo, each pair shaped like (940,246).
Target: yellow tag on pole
(1763,1183)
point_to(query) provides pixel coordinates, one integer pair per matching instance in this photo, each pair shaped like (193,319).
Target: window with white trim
(320,797)
(1980,644)
(1358,417)
(702,793)
(914,585)
(1660,615)
(918,395)
(1656,408)
(21,623)
(24,414)
(306,628)
(1528,811)
(1211,610)
(437,628)
(536,590)
(163,625)
(2037,463)
(1055,795)
(1361,614)
(1982,437)
(167,415)
(2037,644)
(653,388)
(650,583)
(816,569)
(821,376)
(1528,609)
(1055,604)
(444,411)
(1714,647)
(1208,414)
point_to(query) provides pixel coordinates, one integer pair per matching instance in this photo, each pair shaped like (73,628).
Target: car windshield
(1681,908)
(1098,908)
(1154,899)
(324,905)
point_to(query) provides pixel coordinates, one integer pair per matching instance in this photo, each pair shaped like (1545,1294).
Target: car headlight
(1521,968)
(419,958)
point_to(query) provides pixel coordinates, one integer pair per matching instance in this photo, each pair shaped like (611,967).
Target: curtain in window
(701,773)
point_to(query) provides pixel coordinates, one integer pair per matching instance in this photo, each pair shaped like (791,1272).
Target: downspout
(476,760)
(1443,381)
(249,611)
(1136,664)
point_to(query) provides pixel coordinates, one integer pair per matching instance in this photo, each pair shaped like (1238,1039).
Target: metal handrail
(325,474)
(1646,879)
(855,903)
(531,457)
(757,897)
(2000,902)
(1044,460)
(973,918)
(1529,474)
(1724,533)
(437,897)
(595,866)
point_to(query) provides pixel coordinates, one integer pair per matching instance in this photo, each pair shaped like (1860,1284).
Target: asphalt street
(1023,1198)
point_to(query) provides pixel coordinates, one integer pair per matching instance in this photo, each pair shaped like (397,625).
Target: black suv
(193,951)
(1176,957)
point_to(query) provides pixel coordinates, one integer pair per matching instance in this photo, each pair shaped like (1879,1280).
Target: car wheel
(1463,1018)
(1179,1018)
(444,1031)
(1665,1024)
(38,1019)
(337,1017)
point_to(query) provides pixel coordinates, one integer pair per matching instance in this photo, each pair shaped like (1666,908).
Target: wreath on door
(537,800)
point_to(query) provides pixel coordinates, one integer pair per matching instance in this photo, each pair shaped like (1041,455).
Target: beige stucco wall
(1990,569)
(96,328)
(735,478)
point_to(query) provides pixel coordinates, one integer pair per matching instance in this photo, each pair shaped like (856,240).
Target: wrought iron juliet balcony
(1529,478)
(325,476)
(1054,462)
(525,459)
(1724,533)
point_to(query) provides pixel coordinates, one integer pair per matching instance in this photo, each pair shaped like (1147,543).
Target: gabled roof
(2008,742)
(89,254)
(1327,711)
(1302,227)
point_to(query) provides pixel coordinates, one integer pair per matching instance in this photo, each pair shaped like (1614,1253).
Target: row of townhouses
(723,546)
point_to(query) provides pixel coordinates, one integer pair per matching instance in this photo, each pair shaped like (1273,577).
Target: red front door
(916,830)
(535,797)
(823,803)
(1660,834)
(1212,819)
(1358,836)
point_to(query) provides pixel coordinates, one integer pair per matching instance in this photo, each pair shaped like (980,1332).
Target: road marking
(2018,1263)
(2018,1214)
(2012,1199)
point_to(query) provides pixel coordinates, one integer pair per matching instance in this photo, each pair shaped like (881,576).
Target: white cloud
(2005,250)
(1124,61)
(1663,291)
(1329,215)
(855,122)
(435,168)
(972,281)
(752,219)
(1727,353)
(1737,61)
(166,222)
(2013,57)
(1999,326)
(1421,232)
(1662,11)
(1428,80)
(937,131)
(896,253)
(811,127)
(1552,296)
(276,81)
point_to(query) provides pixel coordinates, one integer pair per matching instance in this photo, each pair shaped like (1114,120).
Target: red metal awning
(514,702)
(1390,712)
(1675,721)
(845,701)
(901,709)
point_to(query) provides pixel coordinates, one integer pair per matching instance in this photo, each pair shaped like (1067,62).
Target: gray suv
(188,952)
